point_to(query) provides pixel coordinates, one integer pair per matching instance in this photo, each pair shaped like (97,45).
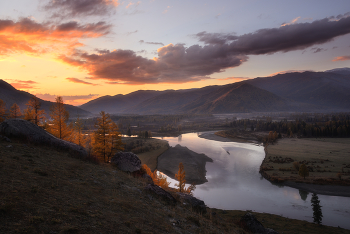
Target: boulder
(26,130)
(126,161)
(253,225)
(196,204)
(161,193)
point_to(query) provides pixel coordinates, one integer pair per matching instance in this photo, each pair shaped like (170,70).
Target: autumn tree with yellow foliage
(107,139)
(181,178)
(158,179)
(78,137)
(15,111)
(33,112)
(58,125)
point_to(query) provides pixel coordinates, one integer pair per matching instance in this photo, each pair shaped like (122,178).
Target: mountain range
(10,95)
(295,91)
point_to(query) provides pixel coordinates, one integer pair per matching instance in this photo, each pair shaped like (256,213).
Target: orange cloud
(31,37)
(73,100)
(24,84)
(79,81)
(341,58)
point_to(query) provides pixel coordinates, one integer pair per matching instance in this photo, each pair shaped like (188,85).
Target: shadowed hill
(10,95)
(323,90)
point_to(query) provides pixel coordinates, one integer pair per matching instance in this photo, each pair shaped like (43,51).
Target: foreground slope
(10,95)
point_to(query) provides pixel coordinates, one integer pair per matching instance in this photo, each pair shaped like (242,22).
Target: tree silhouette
(303,194)
(316,207)
(58,126)
(33,112)
(107,139)
(15,111)
(303,171)
(2,111)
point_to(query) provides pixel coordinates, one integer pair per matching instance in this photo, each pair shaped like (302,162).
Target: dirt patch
(327,160)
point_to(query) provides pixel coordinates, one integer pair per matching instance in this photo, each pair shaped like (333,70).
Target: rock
(161,193)
(34,134)
(196,204)
(126,161)
(3,138)
(253,225)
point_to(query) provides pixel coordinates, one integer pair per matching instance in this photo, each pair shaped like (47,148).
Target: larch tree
(33,112)
(15,111)
(303,171)
(58,125)
(2,111)
(180,176)
(107,139)
(79,137)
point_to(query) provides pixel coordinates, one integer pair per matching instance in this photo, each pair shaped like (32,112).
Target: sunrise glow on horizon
(83,49)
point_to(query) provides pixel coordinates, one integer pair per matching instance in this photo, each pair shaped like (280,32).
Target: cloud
(129,33)
(78,8)
(341,58)
(179,64)
(292,22)
(174,64)
(317,50)
(73,100)
(79,81)
(29,36)
(151,43)
(23,84)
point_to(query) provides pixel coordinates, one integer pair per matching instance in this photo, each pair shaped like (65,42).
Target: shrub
(296,165)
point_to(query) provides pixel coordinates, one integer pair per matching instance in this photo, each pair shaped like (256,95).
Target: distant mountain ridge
(296,91)
(10,95)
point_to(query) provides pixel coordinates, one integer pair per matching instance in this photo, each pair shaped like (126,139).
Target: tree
(158,179)
(2,111)
(181,177)
(316,207)
(303,171)
(107,139)
(79,137)
(15,111)
(58,125)
(33,112)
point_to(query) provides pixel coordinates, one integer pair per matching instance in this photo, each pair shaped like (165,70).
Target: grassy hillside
(46,191)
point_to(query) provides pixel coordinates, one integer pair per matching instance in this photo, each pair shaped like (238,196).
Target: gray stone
(253,225)
(161,193)
(3,138)
(126,161)
(196,204)
(26,130)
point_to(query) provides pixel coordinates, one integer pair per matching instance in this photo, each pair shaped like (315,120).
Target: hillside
(237,97)
(319,90)
(10,95)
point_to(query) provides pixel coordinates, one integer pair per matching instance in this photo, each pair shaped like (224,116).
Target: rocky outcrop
(160,193)
(249,222)
(126,161)
(196,204)
(26,130)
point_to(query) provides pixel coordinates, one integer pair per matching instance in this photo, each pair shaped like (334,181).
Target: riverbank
(326,159)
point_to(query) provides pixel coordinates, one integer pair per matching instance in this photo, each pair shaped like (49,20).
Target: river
(234,183)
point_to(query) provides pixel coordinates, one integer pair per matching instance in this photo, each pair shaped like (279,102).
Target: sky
(84,49)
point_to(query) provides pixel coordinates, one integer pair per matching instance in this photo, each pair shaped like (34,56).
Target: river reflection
(234,183)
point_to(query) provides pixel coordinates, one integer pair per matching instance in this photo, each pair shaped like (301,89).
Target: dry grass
(325,157)
(150,158)
(45,191)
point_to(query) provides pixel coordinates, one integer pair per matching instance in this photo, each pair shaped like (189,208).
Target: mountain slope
(324,90)
(237,97)
(10,95)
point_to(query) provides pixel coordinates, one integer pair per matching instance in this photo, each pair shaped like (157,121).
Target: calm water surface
(234,183)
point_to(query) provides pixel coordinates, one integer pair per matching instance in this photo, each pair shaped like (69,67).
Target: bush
(296,165)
